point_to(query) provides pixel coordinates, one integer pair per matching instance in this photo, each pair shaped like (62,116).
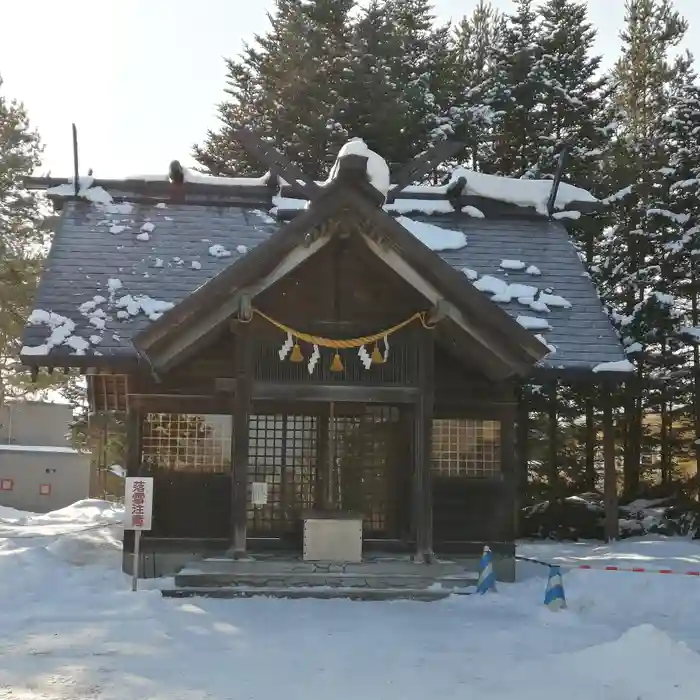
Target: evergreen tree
(640,221)
(513,92)
(290,88)
(401,64)
(22,239)
(475,44)
(573,95)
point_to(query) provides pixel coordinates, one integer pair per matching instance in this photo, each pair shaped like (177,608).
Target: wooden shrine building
(333,350)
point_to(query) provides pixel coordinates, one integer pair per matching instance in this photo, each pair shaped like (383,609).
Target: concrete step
(321,593)
(387,579)
(259,565)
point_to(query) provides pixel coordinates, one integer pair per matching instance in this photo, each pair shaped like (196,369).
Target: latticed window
(187,442)
(466,448)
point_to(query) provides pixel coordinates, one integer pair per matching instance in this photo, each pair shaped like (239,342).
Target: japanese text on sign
(138,503)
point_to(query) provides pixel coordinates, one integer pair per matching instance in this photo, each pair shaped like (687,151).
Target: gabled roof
(96,320)
(497,344)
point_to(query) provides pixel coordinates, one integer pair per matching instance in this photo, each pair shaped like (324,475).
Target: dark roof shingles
(85,255)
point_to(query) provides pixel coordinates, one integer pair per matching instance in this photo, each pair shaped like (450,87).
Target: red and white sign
(44,489)
(138,503)
(6,485)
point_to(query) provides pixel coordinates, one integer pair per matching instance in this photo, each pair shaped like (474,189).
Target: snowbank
(73,629)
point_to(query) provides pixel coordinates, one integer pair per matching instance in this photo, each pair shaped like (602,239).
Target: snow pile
(523,193)
(377,168)
(419,206)
(218,251)
(528,295)
(194,176)
(512,265)
(434,237)
(140,303)
(473,212)
(86,191)
(280,203)
(74,629)
(61,334)
(532,323)
(618,366)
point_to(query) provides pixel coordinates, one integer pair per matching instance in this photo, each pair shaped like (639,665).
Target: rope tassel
(337,364)
(377,357)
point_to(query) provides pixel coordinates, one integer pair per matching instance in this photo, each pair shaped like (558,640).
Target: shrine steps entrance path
(378,579)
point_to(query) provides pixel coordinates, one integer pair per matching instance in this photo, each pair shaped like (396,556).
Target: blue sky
(142,77)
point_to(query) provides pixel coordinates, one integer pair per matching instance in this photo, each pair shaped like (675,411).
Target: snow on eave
(50,449)
(523,193)
(192,176)
(620,366)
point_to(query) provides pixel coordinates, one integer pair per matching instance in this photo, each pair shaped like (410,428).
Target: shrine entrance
(334,456)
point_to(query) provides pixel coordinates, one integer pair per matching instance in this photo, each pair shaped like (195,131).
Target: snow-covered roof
(519,192)
(104,282)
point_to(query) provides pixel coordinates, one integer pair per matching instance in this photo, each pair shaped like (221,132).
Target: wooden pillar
(133,441)
(521,440)
(422,451)
(610,471)
(591,437)
(521,465)
(510,467)
(553,434)
(239,443)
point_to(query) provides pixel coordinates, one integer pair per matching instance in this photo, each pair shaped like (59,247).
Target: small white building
(39,470)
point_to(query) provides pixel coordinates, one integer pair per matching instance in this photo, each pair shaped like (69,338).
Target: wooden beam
(239,444)
(180,403)
(422,452)
(278,163)
(195,336)
(448,310)
(281,391)
(610,471)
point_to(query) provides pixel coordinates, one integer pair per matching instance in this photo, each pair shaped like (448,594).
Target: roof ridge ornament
(280,166)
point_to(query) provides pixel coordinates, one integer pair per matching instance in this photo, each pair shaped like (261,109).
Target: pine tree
(475,44)
(290,88)
(401,68)
(22,239)
(513,92)
(632,254)
(573,95)
(681,253)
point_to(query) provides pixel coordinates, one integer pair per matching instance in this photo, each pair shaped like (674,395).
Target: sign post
(138,514)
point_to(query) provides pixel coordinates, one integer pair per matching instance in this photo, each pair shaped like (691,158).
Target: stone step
(351,593)
(260,565)
(188,578)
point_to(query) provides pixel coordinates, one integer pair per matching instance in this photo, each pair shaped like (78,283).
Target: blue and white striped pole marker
(554,597)
(487,579)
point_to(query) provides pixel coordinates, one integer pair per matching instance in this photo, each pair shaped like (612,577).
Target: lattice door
(282,454)
(361,463)
(371,468)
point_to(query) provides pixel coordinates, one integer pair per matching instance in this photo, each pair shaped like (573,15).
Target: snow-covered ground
(71,628)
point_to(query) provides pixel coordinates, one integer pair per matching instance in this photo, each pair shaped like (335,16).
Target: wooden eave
(498,343)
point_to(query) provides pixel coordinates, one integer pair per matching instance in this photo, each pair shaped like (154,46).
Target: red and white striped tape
(637,570)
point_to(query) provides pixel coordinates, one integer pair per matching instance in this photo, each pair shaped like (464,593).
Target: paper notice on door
(259,495)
